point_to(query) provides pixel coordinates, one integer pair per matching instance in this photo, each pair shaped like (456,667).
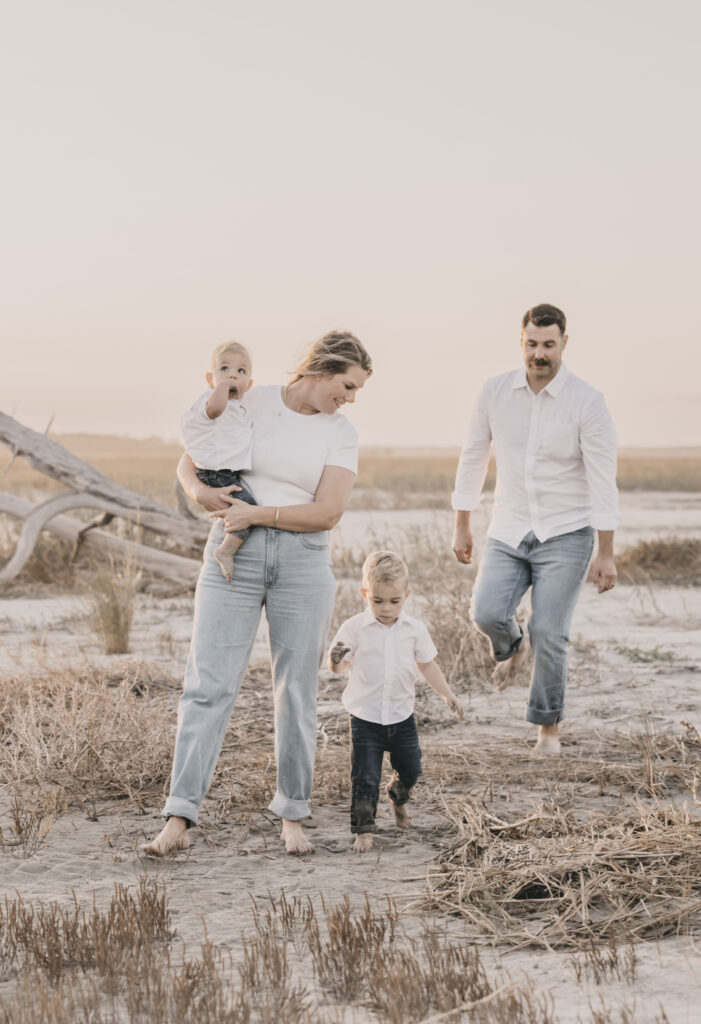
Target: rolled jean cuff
(176,807)
(363,830)
(537,717)
(291,810)
(515,646)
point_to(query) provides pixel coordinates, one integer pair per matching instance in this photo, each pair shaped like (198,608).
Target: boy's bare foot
(548,740)
(401,816)
(363,842)
(505,672)
(172,838)
(226,563)
(293,836)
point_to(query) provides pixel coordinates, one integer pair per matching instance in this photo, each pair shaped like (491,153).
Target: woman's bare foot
(293,836)
(363,842)
(172,837)
(505,672)
(401,816)
(548,740)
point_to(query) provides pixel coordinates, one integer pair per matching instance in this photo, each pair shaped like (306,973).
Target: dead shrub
(111,598)
(603,963)
(31,823)
(343,957)
(638,875)
(83,733)
(672,560)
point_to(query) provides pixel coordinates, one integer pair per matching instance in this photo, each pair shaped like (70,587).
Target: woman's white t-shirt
(290,450)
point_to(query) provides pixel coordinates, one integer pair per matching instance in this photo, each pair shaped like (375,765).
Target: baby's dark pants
(225,478)
(369,740)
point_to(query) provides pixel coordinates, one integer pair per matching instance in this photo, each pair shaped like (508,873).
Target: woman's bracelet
(277,516)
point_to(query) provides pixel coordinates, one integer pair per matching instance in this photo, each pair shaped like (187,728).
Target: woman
(304,466)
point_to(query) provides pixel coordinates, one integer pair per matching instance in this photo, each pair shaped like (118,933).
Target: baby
(382,646)
(218,435)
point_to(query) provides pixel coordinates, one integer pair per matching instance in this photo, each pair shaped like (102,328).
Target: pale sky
(179,173)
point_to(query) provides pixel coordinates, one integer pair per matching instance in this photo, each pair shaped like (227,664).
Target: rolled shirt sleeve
(474,458)
(599,445)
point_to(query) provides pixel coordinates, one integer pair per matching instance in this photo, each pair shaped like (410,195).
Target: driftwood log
(91,489)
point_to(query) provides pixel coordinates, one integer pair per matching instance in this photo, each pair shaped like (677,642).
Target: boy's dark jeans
(224,478)
(369,740)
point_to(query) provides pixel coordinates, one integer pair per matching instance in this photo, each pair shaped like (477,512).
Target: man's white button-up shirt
(383,666)
(555,454)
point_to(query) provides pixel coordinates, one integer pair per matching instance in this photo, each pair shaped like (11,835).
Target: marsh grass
(30,823)
(88,733)
(552,879)
(670,560)
(111,601)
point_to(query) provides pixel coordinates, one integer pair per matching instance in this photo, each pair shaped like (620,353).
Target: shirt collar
(554,387)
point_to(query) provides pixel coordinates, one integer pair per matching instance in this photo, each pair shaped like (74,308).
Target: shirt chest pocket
(560,441)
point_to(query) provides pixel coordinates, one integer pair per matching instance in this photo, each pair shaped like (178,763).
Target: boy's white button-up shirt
(383,666)
(555,454)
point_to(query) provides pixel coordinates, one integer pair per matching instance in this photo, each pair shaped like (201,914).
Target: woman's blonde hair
(384,567)
(335,353)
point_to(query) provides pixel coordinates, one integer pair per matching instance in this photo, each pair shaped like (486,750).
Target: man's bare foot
(505,672)
(226,563)
(548,740)
(293,836)
(363,842)
(172,837)
(401,816)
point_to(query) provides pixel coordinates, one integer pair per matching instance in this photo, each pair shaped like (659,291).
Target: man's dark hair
(543,316)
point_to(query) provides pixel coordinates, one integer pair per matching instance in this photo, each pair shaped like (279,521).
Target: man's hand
(455,705)
(462,544)
(603,572)
(338,653)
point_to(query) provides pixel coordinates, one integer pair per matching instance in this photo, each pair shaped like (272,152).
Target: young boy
(218,435)
(382,646)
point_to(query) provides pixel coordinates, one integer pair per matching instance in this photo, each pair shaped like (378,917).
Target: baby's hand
(456,706)
(338,653)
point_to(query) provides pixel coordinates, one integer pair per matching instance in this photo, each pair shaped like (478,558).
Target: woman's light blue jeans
(290,575)
(555,569)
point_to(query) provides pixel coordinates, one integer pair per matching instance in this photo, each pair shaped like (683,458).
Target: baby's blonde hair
(230,346)
(384,567)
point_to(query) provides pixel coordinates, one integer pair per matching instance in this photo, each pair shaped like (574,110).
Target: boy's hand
(455,706)
(338,653)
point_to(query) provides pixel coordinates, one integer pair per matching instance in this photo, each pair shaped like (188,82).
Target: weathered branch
(51,458)
(179,571)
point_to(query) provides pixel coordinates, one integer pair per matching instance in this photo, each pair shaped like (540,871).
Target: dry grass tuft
(554,880)
(674,560)
(111,597)
(603,963)
(31,823)
(81,731)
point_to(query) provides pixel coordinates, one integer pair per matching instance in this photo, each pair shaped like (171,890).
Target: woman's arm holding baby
(330,500)
(433,675)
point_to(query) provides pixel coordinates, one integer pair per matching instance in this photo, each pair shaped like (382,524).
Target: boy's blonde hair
(230,346)
(384,567)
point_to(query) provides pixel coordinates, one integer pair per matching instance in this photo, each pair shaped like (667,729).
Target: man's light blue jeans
(555,569)
(290,574)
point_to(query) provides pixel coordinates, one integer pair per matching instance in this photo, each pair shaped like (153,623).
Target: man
(555,449)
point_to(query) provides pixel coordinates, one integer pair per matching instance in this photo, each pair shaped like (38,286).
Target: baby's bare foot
(293,836)
(226,563)
(548,740)
(172,837)
(401,816)
(363,843)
